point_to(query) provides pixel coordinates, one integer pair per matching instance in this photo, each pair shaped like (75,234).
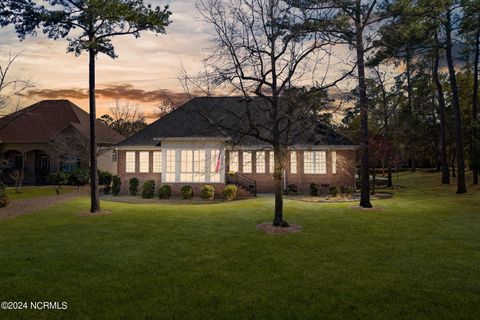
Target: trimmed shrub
(165,191)
(334,191)
(208,192)
(347,191)
(105,179)
(148,191)
(230,192)
(4,201)
(133,186)
(187,192)
(292,189)
(58,179)
(116,183)
(313,189)
(79,177)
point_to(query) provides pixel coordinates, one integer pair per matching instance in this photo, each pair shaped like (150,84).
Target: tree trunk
(277,181)
(441,109)
(453,163)
(389,179)
(362,87)
(474,138)
(461,186)
(410,110)
(94,193)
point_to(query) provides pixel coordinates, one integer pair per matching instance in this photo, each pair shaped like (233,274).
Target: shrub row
(334,191)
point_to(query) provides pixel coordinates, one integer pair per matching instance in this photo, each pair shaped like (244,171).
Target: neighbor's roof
(211,117)
(42,121)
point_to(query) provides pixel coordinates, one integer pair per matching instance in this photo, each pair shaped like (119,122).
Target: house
(186,147)
(49,136)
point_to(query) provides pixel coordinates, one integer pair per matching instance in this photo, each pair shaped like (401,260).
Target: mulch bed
(269,228)
(156,200)
(354,198)
(374,208)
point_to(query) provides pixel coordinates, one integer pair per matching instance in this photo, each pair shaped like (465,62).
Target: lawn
(37,191)
(416,259)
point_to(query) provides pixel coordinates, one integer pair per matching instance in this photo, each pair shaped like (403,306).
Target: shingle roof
(201,116)
(42,121)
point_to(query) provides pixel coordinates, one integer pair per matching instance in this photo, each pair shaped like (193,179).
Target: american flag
(218,163)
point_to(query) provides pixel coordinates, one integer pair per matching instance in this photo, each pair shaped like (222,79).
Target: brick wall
(345,175)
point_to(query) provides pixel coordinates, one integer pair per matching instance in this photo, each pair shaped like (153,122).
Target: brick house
(31,137)
(186,148)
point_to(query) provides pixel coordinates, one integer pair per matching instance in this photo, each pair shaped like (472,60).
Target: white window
(260,161)
(334,162)
(233,161)
(170,166)
(247,162)
(215,165)
(293,162)
(192,166)
(315,162)
(114,156)
(144,161)
(130,161)
(157,161)
(271,162)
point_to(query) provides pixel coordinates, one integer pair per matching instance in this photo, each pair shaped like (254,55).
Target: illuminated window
(247,162)
(271,162)
(293,162)
(170,166)
(192,166)
(233,161)
(334,162)
(144,161)
(260,161)
(315,162)
(157,161)
(130,161)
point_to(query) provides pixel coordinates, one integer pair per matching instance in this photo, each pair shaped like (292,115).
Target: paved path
(23,206)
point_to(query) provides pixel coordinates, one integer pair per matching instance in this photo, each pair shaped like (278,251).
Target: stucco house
(49,136)
(186,148)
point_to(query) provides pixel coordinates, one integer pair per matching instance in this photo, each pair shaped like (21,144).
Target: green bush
(79,177)
(334,191)
(148,191)
(292,189)
(165,191)
(313,189)
(116,183)
(230,192)
(208,192)
(105,179)
(58,179)
(133,186)
(4,201)
(187,192)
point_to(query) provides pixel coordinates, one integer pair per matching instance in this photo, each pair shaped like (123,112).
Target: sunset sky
(144,73)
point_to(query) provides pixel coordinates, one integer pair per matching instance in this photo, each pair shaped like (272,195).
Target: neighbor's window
(260,161)
(114,156)
(157,161)
(44,162)
(130,161)
(233,161)
(315,162)
(293,162)
(170,166)
(247,162)
(192,166)
(334,162)
(271,161)
(144,162)
(215,165)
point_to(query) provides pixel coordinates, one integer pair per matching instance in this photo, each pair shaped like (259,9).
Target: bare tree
(124,118)
(165,106)
(11,86)
(263,48)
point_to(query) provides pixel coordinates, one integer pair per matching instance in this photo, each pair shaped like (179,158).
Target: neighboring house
(186,147)
(50,136)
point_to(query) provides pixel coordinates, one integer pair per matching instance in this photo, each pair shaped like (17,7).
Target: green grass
(32,192)
(419,258)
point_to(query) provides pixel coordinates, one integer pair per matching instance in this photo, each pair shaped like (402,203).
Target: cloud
(112,92)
